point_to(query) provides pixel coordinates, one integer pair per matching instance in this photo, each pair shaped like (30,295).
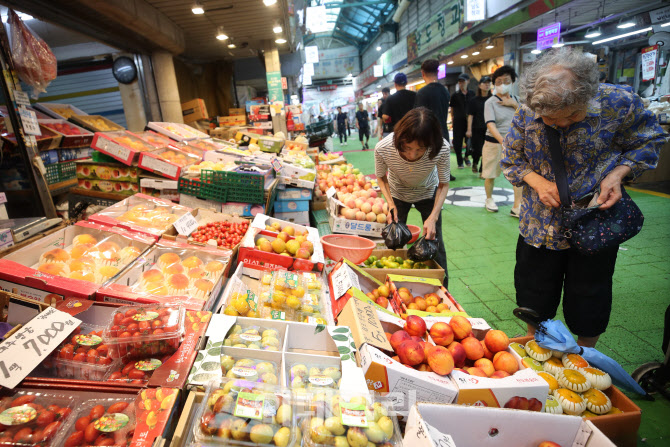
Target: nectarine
(474,371)
(461,327)
(415,325)
(440,360)
(486,366)
(473,348)
(504,361)
(410,353)
(496,341)
(397,338)
(458,353)
(441,333)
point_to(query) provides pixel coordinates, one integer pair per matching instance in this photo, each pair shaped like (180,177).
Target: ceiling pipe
(402,7)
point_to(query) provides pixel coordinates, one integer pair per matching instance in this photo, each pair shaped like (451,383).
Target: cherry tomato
(131,312)
(51,429)
(118,318)
(136,374)
(63,413)
(133,327)
(117,407)
(104,440)
(45,418)
(81,349)
(25,435)
(53,408)
(81,357)
(95,413)
(75,439)
(23,400)
(91,433)
(82,423)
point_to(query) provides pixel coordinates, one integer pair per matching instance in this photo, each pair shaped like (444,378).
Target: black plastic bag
(423,250)
(396,235)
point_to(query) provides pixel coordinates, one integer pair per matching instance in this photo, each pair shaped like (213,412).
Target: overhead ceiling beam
(350,5)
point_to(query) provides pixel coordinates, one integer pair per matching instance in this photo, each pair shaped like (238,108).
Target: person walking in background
(398,104)
(363,125)
(434,96)
(342,124)
(412,168)
(459,118)
(498,113)
(373,120)
(476,123)
(383,127)
(606,135)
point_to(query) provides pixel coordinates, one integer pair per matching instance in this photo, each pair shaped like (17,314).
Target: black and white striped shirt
(411,181)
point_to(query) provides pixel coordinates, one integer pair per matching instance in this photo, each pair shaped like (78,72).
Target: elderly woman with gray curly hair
(605,135)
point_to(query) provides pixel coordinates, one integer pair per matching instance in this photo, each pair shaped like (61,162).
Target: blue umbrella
(552,334)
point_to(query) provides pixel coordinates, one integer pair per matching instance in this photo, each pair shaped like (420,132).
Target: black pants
(585,280)
(342,132)
(425,207)
(364,131)
(477,143)
(460,127)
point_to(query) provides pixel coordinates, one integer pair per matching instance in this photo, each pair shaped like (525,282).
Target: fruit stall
(236,289)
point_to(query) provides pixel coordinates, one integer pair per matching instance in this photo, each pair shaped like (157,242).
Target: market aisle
(481,256)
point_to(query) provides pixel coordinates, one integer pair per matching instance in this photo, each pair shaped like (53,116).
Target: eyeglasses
(501,82)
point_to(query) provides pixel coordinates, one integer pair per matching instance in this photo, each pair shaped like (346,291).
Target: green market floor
(481,255)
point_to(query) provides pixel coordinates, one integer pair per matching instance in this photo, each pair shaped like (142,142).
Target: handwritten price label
(186,224)
(344,279)
(26,349)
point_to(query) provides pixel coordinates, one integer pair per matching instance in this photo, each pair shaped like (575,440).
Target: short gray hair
(547,87)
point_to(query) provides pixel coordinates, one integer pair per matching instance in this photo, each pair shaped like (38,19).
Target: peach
(431,309)
(421,303)
(377,208)
(486,366)
(381,218)
(388,336)
(358,203)
(423,367)
(534,405)
(283,236)
(371,217)
(427,347)
(307,245)
(302,253)
(415,325)
(441,334)
(461,327)
(360,215)
(499,375)
(504,361)
(473,349)
(412,306)
(416,338)
(518,403)
(440,360)
(496,341)
(349,214)
(397,338)
(442,307)
(432,300)
(403,289)
(405,297)
(458,353)
(366,207)
(410,353)
(474,371)
(382,301)
(487,354)
(351,203)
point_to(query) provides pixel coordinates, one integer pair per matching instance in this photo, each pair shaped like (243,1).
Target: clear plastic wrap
(254,336)
(135,371)
(101,422)
(33,60)
(249,369)
(313,376)
(83,356)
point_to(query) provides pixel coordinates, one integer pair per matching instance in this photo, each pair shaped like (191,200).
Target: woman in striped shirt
(412,168)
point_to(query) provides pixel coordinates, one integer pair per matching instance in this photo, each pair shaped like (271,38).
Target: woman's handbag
(587,228)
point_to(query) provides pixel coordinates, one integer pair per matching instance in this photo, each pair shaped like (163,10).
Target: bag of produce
(396,235)
(423,249)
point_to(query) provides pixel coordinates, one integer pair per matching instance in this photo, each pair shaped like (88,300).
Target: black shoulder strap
(558,165)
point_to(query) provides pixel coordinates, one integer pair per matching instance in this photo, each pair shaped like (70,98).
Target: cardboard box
(434,424)
(83,139)
(299,217)
(361,317)
(58,111)
(296,182)
(294,194)
(204,216)
(167,162)
(49,157)
(125,288)
(176,131)
(233,120)
(122,146)
(194,110)
(47,141)
(346,226)
(270,144)
(154,139)
(434,270)
(92,170)
(237,111)
(366,284)
(125,188)
(249,254)
(421,286)
(96,123)
(621,428)
(81,153)
(161,188)
(118,215)
(19,274)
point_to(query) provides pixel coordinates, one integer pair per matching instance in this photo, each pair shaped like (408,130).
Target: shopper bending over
(606,135)
(412,168)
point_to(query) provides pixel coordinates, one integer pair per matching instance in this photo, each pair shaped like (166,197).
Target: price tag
(276,165)
(186,224)
(156,165)
(438,438)
(21,99)
(331,192)
(29,120)
(31,344)
(115,150)
(344,279)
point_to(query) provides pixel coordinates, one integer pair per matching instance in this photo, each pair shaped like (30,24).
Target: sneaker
(514,212)
(460,166)
(491,206)
(452,178)
(468,163)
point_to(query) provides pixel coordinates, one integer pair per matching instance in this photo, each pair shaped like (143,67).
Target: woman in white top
(412,168)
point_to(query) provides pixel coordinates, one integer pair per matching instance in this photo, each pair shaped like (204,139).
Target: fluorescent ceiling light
(593,33)
(379,48)
(465,56)
(536,51)
(280,40)
(269,2)
(277,29)
(626,24)
(197,8)
(621,36)
(475,53)
(220,34)
(232,45)
(450,62)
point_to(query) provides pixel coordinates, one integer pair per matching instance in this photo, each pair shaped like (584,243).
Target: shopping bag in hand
(423,250)
(396,235)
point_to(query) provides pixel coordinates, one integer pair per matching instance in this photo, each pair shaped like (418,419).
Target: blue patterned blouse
(617,131)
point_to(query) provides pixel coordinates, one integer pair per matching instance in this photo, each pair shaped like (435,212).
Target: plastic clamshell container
(287,290)
(98,419)
(154,139)
(17,415)
(234,366)
(253,336)
(144,331)
(135,371)
(312,376)
(243,413)
(83,356)
(364,419)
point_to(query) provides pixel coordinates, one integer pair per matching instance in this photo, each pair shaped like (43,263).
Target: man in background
(383,128)
(363,125)
(342,124)
(459,117)
(399,103)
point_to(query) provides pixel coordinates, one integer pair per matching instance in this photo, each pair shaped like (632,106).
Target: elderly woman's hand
(429,228)
(610,187)
(546,190)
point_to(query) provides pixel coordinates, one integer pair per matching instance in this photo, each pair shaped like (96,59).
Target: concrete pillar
(133,104)
(273,70)
(166,86)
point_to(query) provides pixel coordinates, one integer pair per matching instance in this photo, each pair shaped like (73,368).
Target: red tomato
(75,439)
(63,413)
(25,435)
(91,433)
(53,408)
(81,349)
(126,322)
(104,440)
(66,352)
(136,374)
(23,400)
(51,429)
(131,312)
(117,407)
(103,350)
(45,418)
(95,413)
(81,357)
(82,423)
(133,327)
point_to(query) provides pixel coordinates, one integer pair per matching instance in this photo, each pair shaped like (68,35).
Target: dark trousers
(342,132)
(459,128)
(425,207)
(476,144)
(541,275)
(364,132)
